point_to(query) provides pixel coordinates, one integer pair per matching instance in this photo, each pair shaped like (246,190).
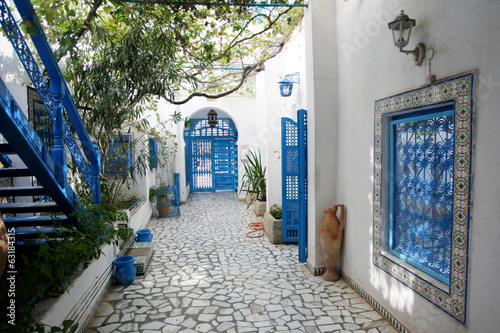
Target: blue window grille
(119,157)
(153,153)
(421,190)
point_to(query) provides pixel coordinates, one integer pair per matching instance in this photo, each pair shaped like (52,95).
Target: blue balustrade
(54,99)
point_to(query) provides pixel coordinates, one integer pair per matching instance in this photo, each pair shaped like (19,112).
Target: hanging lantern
(401,32)
(286,86)
(212,118)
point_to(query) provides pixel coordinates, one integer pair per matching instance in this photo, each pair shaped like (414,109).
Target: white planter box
(259,207)
(273,229)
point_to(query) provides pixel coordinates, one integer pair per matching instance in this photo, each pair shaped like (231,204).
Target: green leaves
(254,179)
(159,49)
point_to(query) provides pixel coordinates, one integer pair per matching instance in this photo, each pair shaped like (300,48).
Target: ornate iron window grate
(422,150)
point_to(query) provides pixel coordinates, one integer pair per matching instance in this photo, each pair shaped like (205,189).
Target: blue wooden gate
(211,156)
(294,181)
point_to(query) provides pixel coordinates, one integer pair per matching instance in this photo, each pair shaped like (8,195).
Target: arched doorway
(211,155)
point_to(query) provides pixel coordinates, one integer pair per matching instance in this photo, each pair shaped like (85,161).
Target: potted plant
(273,224)
(254,182)
(160,198)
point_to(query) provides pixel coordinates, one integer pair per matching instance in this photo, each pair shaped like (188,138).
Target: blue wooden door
(225,164)
(294,181)
(201,165)
(290,180)
(211,156)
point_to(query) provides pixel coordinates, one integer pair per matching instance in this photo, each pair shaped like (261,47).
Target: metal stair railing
(23,140)
(54,98)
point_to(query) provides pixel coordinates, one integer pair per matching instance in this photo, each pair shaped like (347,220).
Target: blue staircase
(54,201)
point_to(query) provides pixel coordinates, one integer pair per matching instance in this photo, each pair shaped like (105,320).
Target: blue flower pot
(125,270)
(144,235)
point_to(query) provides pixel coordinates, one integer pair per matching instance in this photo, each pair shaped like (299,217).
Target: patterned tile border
(95,305)
(458,90)
(382,311)
(315,271)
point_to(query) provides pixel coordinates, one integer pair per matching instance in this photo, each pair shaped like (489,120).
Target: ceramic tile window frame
(459,91)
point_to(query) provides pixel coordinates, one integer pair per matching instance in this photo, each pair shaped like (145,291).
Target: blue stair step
(33,221)
(34,232)
(22,191)
(6,148)
(15,172)
(15,208)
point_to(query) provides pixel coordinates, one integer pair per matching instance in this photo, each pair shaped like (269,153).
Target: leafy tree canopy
(119,56)
(120,51)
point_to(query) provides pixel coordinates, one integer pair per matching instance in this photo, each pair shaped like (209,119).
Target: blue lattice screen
(290,182)
(422,160)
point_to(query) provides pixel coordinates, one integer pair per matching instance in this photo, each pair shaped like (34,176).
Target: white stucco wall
(291,60)
(465,36)
(241,108)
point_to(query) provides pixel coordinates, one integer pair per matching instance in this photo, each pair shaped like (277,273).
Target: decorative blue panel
(302,138)
(153,153)
(225,164)
(119,158)
(422,191)
(290,179)
(202,173)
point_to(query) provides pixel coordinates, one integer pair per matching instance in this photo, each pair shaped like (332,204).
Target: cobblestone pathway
(207,276)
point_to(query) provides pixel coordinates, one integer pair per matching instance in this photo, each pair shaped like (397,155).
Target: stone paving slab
(205,275)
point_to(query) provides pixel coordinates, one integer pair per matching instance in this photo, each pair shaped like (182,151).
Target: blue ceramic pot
(125,270)
(144,235)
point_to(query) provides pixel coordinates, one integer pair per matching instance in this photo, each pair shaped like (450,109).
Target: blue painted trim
(303,193)
(6,161)
(216,4)
(136,203)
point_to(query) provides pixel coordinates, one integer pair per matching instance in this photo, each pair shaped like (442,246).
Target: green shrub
(276,211)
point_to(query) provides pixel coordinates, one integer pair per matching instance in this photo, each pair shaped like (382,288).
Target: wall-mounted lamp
(286,85)
(212,118)
(401,31)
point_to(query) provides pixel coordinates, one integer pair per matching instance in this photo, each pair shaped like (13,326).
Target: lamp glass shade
(212,118)
(286,86)
(401,29)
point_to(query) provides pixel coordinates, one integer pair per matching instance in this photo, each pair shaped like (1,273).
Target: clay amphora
(331,240)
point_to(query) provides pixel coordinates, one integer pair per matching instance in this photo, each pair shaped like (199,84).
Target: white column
(321,76)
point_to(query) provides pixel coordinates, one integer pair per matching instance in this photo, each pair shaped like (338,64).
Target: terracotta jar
(331,240)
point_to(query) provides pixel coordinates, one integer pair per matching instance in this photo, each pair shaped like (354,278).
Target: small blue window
(153,153)
(119,157)
(421,190)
